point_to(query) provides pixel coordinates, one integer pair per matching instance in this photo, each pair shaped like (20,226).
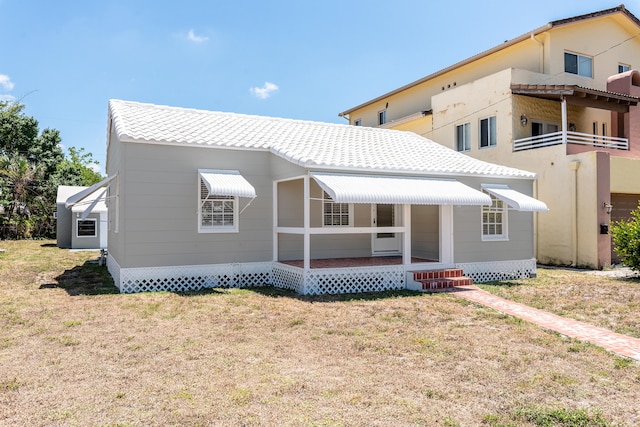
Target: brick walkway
(609,340)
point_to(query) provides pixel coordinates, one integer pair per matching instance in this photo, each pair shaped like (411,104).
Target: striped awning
(515,199)
(398,190)
(227,183)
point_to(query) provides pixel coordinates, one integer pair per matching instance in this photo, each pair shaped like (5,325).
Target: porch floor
(355,262)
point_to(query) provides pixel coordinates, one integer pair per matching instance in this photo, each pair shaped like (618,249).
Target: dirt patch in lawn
(75,352)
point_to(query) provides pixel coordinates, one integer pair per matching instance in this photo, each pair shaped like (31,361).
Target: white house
(80,225)
(208,199)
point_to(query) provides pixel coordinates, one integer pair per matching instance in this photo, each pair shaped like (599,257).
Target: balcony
(557,138)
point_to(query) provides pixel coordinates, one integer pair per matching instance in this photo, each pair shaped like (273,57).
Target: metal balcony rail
(555,138)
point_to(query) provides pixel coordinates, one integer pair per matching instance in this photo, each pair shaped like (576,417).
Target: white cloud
(265,91)
(9,98)
(5,82)
(95,167)
(196,39)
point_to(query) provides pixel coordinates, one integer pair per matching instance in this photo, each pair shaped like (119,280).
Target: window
(541,128)
(217,213)
(335,214)
(86,228)
(463,137)
(358,122)
(494,220)
(623,68)
(382,117)
(488,132)
(578,64)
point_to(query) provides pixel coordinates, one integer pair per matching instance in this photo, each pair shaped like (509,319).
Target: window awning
(227,183)
(398,190)
(78,197)
(515,199)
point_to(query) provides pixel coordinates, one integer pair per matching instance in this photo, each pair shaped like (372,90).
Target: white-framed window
(581,65)
(357,122)
(382,117)
(542,128)
(216,213)
(336,214)
(494,220)
(86,227)
(463,137)
(623,68)
(488,136)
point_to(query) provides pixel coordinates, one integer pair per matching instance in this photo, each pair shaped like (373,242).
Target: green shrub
(626,238)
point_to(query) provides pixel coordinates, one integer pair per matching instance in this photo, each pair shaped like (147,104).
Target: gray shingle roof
(313,145)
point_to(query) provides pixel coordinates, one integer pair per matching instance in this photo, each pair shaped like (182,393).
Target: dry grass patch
(74,353)
(609,302)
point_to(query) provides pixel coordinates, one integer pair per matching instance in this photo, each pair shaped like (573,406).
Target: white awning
(398,190)
(78,197)
(227,183)
(515,199)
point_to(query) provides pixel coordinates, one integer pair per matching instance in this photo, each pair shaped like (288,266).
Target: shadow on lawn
(86,279)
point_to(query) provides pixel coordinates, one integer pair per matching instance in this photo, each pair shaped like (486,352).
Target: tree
(626,238)
(18,176)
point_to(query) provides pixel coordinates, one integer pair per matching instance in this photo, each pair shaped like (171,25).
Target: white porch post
(406,222)
(446,234)
(275,221)
(307,224)
(563,105)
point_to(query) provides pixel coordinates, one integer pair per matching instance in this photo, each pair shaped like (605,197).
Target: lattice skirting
(190,277)
(352,280)
(499,270)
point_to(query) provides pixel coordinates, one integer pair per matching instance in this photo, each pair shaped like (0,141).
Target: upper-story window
(578,64)
(382,117)
(622,68)
(357,122)
(543,128)
(488,136)
(463,137)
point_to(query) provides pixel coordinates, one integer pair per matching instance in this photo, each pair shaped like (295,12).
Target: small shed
(82,225)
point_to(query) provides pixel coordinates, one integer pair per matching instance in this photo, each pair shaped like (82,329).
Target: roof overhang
(514,199)
(578,95)
(398,190)
(227,183)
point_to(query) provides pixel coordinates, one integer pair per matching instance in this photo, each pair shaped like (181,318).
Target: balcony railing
(556,138)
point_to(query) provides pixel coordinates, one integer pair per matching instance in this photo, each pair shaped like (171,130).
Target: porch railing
(556,138)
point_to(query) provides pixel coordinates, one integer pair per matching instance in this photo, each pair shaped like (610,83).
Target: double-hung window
(488,136)
(578,64)
(463,137)
(217,213)
(494,220)
(336,214)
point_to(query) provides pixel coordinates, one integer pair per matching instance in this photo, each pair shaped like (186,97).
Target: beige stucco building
(561,101)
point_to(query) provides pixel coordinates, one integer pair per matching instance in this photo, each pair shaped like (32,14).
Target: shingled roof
(312,145)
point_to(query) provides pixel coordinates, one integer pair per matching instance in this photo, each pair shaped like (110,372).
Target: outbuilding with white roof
(207,199)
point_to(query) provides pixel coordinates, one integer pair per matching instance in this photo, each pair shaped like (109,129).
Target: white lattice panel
(352,280)
(288,277)
(114,270)
(499,270)
(194,277)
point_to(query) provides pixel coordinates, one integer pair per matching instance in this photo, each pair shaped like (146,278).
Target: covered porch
(565,130)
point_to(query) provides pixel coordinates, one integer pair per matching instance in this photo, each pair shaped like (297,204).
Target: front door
(385,243)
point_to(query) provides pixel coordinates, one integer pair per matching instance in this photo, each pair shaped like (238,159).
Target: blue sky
(298,59)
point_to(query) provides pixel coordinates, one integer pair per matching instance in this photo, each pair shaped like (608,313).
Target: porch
(564,129)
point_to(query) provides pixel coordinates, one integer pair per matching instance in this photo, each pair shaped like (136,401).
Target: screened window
(335,214)
(382,117)
(488,136)
(463,137)
(494,220)
(217,213)
(86,228)
(578,64)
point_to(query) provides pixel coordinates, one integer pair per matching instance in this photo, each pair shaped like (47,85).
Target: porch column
(563,106)
(307,224)
(406,222)
(446,234)
(275,221)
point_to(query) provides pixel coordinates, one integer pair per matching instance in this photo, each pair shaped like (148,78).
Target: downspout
(533,37)
(574,165)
